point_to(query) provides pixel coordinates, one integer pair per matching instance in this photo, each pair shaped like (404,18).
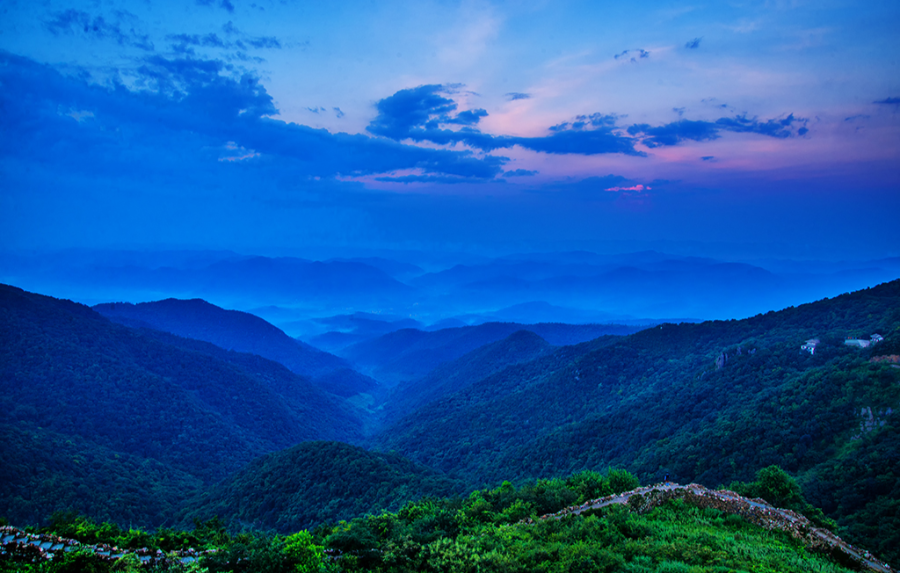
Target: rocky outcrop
(754,510)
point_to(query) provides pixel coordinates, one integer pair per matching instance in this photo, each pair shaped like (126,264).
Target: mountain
(647,285)
(711,402)
(452,376)
(186,406)
(45,471)
(229,329)
(239,281)
(334,333)
(319,482)
(410,354)
(242,332)
(395,269)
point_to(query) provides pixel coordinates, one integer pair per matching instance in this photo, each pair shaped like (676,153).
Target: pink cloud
(632,188)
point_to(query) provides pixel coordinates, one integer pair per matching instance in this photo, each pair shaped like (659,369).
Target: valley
(176,412)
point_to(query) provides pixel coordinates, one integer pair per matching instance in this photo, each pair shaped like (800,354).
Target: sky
(734,129)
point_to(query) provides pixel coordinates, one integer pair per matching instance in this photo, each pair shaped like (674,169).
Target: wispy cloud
(519,173)
(633,55)
(632,188)
(223,4)
(513,96)
(693,44)
(97,27)
(676,132)
(234,39)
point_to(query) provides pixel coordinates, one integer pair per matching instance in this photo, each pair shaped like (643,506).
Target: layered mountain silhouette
(409,354)
(242,332)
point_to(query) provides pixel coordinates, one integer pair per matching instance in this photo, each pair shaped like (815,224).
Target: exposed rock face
(872,420)
(721,361)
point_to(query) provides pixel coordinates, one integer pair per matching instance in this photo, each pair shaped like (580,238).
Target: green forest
(488,530)
(145,431)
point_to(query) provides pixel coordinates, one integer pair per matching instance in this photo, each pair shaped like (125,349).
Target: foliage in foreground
(487,531)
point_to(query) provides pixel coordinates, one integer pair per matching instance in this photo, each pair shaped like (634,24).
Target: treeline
(488,530)
(318,482)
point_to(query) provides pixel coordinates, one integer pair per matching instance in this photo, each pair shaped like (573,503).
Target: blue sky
(736,129)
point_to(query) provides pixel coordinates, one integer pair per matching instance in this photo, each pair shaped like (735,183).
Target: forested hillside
(99,416)
(319,482)
(242,332)
(711,402)
(190,407)
(409,354)
(455,375)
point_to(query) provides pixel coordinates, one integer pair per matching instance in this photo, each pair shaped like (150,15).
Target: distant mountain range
(242,332)
(318,300)
(455,375)
(408,354)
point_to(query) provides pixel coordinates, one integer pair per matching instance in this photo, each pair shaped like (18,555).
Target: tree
(303,553)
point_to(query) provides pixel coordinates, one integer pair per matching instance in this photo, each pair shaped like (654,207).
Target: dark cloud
(223,4)
(637,54)
(708,157)
(418,114)
(513,96)
(264,42)
(856,117)
(678,110)
(182,43)
(593,120)
(889,101)
(183,113)
(338,112)
(77,22)
(780,128)
(410,108)
(316,110)
(672,133)
(676,132)
(693,44)
(183,40)
(519,173)
(470,117)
